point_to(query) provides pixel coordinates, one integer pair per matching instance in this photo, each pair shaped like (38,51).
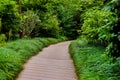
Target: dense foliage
(9,18)
(96,20)
(97,24)
(100,24)
(13,55)
(56,17)
(115,40)
(92,63)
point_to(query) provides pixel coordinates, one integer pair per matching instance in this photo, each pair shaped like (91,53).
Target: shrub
(10,64)
(9,17)
(113,48)
(2,39)
(91,62)
(97,24)
(50,26)
(30,23)
(16,53)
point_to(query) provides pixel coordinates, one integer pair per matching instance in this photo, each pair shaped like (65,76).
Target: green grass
(91,62)
(16,53)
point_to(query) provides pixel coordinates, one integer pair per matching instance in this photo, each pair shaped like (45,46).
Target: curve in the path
(53,63)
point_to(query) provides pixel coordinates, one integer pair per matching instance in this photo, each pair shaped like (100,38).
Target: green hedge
(92,63)
(16,53)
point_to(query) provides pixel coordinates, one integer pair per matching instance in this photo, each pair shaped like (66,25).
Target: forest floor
(52,63)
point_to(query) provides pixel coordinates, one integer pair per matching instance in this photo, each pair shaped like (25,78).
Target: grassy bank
(92,63)
(16,53)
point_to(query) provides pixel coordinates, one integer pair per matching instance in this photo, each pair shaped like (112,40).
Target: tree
(29,22)
(9,17)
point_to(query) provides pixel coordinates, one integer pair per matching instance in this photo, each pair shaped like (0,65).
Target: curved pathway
(53,63)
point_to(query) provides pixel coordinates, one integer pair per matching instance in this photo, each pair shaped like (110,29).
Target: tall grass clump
(91,62)
(14,54)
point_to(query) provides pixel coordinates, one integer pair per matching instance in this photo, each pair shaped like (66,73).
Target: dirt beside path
(53,63)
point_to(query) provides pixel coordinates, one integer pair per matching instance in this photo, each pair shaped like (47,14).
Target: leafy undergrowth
(16,53)
(92,63)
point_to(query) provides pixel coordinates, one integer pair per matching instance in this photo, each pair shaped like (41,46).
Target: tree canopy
(98,21)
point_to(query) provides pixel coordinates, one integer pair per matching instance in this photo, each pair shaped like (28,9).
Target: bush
(113,48)
(50,26)
(9,17)
(2,39)
(30,23)
(97,24)
(10,64)
(16,53)
(91,62)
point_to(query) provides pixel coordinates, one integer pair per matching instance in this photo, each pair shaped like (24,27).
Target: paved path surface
(53,63)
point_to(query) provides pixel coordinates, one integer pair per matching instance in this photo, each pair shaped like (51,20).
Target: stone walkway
(53,63)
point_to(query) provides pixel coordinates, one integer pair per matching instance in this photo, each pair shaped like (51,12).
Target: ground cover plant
(14,54)
(92,63)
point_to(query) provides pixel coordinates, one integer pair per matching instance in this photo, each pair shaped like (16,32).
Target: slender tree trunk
(0,25)
(19,4)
